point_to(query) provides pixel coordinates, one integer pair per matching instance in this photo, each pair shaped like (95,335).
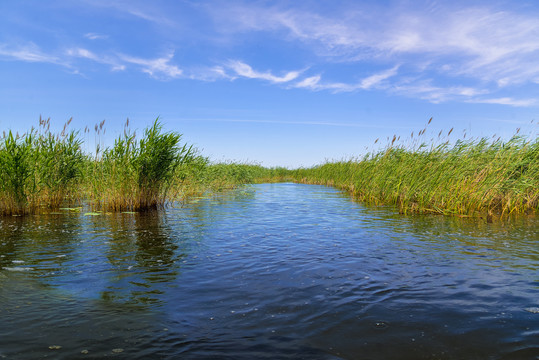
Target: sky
(276,83)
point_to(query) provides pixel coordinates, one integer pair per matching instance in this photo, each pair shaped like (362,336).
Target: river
(268,271)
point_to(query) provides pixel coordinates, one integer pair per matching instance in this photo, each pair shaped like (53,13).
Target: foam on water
(18,268)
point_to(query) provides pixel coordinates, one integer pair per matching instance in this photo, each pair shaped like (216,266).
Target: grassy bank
(42,170)
(478,177)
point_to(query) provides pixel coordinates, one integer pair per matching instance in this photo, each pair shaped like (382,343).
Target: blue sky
(289,83)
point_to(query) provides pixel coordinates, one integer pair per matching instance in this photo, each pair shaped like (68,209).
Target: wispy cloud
(159,68)
(87,54)
(441,42)
(378,78)
(436,94)
(28,52)
(208,73)
(95,36)
(147,11)
(373,81)
(506,101)
(470,38)
(430,50)
(312,83)
(244,70)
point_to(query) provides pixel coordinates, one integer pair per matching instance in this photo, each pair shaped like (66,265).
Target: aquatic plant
(41,169)
(137,175)
(156,161)
(15,155)
(38,168)
(110,176)
(466,177)
(207,176)
(58,163)
(474,177)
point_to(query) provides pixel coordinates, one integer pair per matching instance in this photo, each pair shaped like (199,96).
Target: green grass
(39,169)
(42,170)
(137,175)
(468,178)
(474,177)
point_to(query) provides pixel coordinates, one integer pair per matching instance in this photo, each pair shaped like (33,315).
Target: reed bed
(136,175)
(42,171)
(39,169)
(475,177)
(215,177)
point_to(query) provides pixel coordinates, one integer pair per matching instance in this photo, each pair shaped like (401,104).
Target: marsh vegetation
(43,171)
(466,177)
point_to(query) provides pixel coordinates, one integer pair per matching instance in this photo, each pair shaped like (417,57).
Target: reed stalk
(138,175)
(39,169)
(469,178)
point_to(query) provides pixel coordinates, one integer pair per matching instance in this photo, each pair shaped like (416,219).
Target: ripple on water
(18,268)
(280,270)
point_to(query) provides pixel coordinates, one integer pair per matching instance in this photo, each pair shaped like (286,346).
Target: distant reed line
(474,177)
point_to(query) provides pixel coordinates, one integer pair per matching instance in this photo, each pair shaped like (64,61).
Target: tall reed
(158,157)
(137,175)
(38,169)
(467,178)
(16,165)
(58,160)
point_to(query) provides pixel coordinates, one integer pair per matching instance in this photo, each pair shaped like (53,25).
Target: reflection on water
(143,255)
(268,271)
(117,257)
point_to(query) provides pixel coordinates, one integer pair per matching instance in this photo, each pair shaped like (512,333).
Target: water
(268,271)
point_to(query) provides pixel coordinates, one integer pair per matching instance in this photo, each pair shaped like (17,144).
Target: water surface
(268,271)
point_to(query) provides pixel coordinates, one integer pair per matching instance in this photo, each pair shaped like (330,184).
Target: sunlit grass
(39,169)
(42,170)
(466,177)
(137,175)
(473,177)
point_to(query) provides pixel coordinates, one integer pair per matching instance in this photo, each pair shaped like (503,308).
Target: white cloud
(310,83)
(437,42)
(159,68)
(87,54)
(29,52)
(95,36)
(213,73)
(470,37)
(244,70)
(373,81)
(320,123)
(506,101)
(445,51)
(147,11)
(376,79)
(435,94)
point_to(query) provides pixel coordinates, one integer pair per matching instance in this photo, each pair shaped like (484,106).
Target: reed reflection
(42,243)
(143,254)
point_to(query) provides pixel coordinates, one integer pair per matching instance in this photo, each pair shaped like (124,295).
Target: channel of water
(268,271)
